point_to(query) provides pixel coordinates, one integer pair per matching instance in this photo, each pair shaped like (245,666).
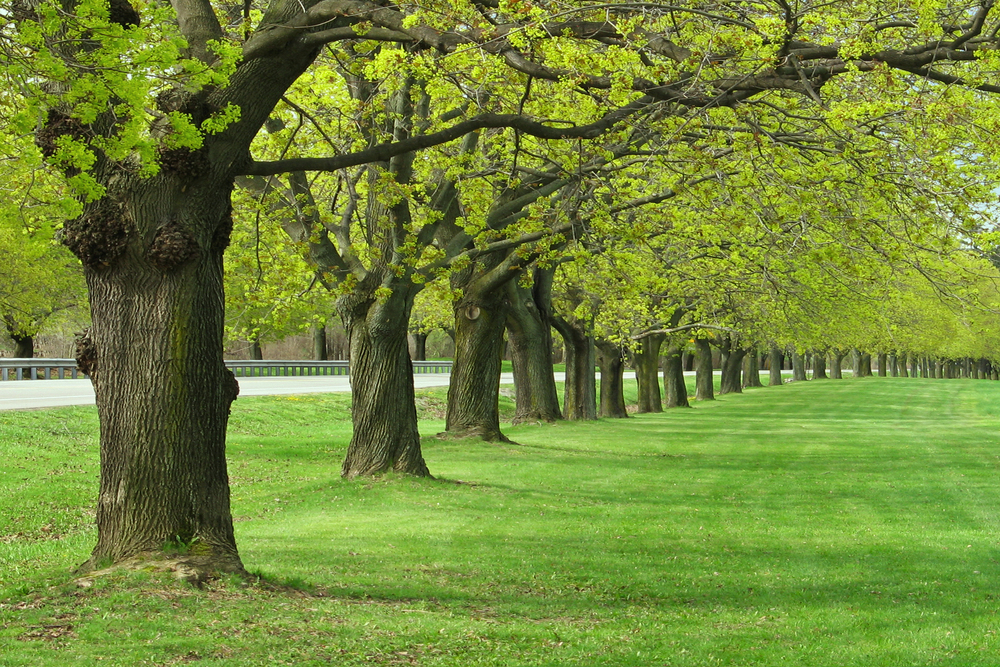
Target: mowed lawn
(852,522)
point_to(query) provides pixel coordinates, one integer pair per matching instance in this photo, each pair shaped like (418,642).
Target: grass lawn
(836,523)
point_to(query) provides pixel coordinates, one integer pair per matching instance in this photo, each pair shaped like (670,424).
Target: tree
(152,148)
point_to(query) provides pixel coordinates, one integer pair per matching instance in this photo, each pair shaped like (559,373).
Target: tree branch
(383,152)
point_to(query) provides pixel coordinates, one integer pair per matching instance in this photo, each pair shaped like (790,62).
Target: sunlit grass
(825,523)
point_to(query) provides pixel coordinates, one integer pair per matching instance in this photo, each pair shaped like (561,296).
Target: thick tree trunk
(611,360)
(256,353)
(901,364)
(893,362)
(798,367)
(819,365)
(882,359)
(580,393)
(732,367)
(836,364)
(383,412)
(646,362)
(474,390)
(319,343)
(418,345)
(529,336)
(704,374)
(866,364)
(751,369)
(674,387)
(154,355)
(24,346)
(775,358)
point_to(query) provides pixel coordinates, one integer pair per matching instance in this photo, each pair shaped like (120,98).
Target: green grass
(831,523)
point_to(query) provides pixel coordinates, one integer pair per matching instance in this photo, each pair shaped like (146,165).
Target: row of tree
(623,173)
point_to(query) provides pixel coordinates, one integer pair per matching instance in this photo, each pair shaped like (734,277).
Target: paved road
(28,394)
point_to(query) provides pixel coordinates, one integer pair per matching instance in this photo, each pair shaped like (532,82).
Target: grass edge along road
(825,523)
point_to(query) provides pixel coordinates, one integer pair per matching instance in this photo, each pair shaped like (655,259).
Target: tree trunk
(580,402)
(836,364)
(611,360)
(798,367)
(383,412)
(154,355)
(732,366)
(319,343)
(893,363)
(255,352)
(673,379)
(903,371)
(418,345)
(24,346)
(751,369)
(474,391)
(776,358)
(529,336)
(819,365)
(704,374)
(866,365)
(646,361)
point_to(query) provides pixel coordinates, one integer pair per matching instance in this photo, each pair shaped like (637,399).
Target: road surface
(30,394)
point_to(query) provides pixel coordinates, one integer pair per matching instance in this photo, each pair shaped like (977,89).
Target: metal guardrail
(37,369)
(51,369)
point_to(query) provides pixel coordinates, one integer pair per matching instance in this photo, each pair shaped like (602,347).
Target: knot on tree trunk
(172,246)
(86,354)
(99,236)
(232,387)
(193,104)
(57,125)
(187,164)
(220,240)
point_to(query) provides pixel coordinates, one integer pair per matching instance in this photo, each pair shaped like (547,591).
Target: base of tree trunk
(194,568)
(474,432)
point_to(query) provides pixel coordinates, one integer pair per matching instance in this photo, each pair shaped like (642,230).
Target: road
(32,394)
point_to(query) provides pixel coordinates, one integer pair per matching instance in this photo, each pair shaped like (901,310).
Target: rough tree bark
(819,365)
(480,319)
(751,369)
(798,367)
(419,345)
(732,366)
(836,364)
(883,364)
(611,360)
(152,254)
(704,375)
(646,362)
(529,337)
(580,394)
(383,412)
(776,358)
(319,343)
(674,387)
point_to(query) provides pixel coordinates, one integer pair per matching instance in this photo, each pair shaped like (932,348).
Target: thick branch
(686,327)
(199,25)
(386,151)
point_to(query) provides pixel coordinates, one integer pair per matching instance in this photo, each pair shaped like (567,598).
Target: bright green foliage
(38,276)
(271,291)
